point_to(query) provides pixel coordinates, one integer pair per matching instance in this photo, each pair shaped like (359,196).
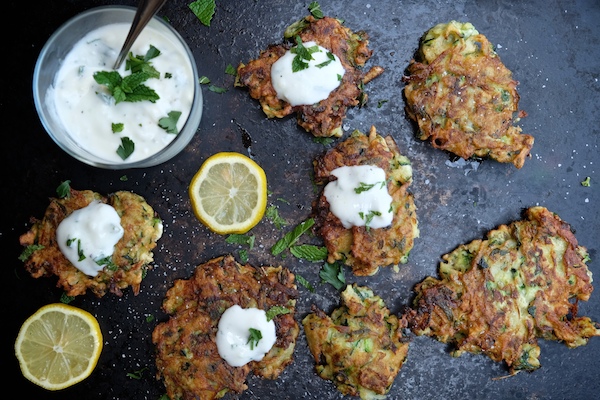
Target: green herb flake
(309,252)
(169,123)
(236,238)
(117,127)
(586,182)
(123,178)
(254,338)
(333,274)
(65,298)
(204,10)
(323,140)
(137,374)
(203,80)
(29,250)
(230,70)
(277,310)
(126,148)
(272,214)
(303,55)
(216,89)
(291,237)
(380,103)
(64,189)
(150,318)
(301,280)
(315,10)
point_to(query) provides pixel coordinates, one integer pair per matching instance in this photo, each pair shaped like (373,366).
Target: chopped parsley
(230,70)
(254,338)
(333,274)
(368,218)
(330,57)
(117,127)
(126,148)
(169,123)
(363,187)
(586,182)
(272,213)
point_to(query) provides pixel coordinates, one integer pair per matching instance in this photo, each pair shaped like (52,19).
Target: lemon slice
(58,346)
(229,193)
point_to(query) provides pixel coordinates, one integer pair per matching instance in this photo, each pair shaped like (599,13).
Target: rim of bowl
(175,146)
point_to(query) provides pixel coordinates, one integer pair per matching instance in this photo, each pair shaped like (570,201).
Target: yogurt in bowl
(140,115)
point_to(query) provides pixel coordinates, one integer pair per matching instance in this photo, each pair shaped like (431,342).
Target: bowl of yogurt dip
(137,116)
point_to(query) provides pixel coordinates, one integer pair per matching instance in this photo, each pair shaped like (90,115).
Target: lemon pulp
(229,193)
(58,346)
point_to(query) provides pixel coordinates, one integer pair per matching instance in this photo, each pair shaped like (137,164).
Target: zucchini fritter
(497,296)
(463,98)
(360,347)
(186,352)
(365,250)
(323,119)
(131,258)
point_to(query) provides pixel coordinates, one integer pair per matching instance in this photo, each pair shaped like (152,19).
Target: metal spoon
(145,11)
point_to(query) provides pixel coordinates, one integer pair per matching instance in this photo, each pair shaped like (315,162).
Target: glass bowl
(49,63)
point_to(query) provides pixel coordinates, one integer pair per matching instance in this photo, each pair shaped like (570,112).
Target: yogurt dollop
(234,341)
(359,196)
(87,237)
(311,84)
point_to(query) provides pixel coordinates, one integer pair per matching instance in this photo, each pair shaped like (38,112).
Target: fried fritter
(360,348)
(365,250)
(323,119)
(131,258)
(497,296)
(463,98)
(186,352)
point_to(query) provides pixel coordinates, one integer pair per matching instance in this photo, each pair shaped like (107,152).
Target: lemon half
(229,193)
(58,346)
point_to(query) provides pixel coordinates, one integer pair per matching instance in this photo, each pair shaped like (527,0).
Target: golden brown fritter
(130,261)
(186,351)
(497,296)
(323,119)
(365,250)
(463,98)
(360,348)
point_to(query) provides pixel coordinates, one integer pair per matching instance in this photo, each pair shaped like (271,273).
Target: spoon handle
(145,11)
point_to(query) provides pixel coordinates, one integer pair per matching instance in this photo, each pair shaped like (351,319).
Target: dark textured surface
(553,49)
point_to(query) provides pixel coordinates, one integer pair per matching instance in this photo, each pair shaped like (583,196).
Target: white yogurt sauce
(359,196)
(87,110)
(89,235)
(234,332)
(309,85)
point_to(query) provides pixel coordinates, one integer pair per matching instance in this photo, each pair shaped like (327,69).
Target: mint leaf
(315,9)
(64,189)
(305,283)
(309,252)
(291,237)
(204,10)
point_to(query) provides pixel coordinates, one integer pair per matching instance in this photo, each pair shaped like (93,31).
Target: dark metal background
(553,49)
